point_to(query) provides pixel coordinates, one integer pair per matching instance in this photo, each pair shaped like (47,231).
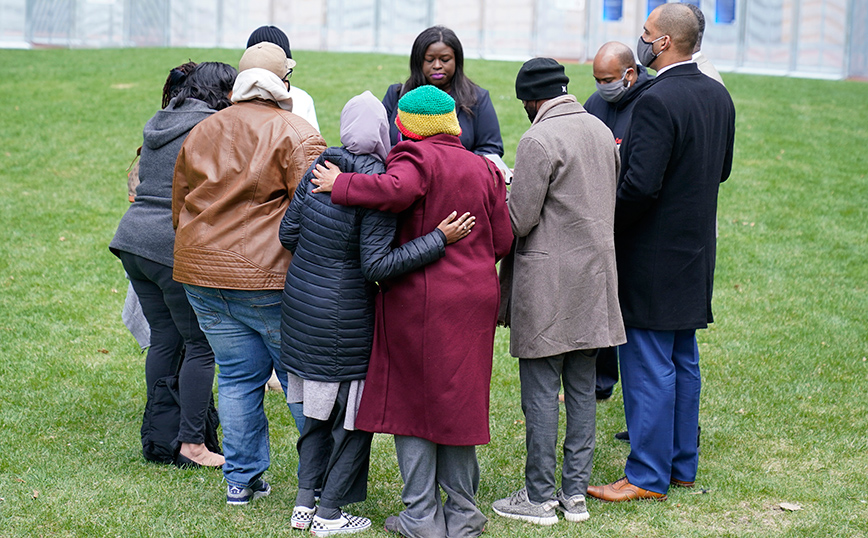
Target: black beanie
(270,34)
(541,78)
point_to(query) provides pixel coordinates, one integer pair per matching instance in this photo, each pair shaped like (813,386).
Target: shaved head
(679,23)
(613,61)
(617,52)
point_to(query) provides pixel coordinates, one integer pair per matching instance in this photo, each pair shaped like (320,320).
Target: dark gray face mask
(615,90)
(645,51)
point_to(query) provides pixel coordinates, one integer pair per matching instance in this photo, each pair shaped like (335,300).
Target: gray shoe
(518,506)
(574,508)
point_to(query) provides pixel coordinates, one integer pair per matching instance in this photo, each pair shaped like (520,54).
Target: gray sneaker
(518,506)
(574,508)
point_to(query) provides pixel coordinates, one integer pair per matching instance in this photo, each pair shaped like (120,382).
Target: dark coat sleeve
(380,261)
(390,103)
(486,126)
(646,152)
(730,143)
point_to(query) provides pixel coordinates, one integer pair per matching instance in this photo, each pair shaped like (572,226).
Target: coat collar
(686,68)
(445,139)
(552,108)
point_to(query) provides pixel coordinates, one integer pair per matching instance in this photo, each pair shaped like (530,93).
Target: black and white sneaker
(302,517)
(346,524)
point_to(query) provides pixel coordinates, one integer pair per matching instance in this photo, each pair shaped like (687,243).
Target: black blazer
(677,151)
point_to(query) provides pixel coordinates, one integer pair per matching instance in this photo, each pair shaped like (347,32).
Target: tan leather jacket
(234,178)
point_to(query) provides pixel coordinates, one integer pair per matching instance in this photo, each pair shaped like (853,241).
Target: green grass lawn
(784,414)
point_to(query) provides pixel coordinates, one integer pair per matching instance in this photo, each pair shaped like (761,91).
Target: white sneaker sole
(342,530)
(576,518)
(537,520)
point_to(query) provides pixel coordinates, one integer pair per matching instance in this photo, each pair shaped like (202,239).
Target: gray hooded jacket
(146,228)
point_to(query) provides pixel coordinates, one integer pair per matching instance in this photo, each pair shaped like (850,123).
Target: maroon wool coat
(430,369)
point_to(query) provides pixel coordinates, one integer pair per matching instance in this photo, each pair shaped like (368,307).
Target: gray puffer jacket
(338,253)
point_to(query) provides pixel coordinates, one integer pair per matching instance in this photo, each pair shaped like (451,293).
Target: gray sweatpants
(540,382)
(425,466)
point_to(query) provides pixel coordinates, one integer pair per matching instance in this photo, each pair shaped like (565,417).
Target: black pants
(607,372)
(334,459)
(174,326)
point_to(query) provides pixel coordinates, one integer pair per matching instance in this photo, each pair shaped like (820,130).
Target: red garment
(430,369)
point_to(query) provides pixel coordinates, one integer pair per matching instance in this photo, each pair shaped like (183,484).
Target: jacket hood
(637,89)
(171,123)
(365,127)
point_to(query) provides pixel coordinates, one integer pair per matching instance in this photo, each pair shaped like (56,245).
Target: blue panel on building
(724,11)
(653,4)
(613,10)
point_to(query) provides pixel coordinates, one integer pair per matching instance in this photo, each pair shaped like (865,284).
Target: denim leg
(581,406)
(296,409)
(540,382)
(648,383)
(233,321)
(685,456)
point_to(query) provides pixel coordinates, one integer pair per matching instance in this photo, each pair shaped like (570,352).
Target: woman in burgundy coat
(430,371)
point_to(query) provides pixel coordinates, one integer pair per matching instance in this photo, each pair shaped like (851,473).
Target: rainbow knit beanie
(427,111)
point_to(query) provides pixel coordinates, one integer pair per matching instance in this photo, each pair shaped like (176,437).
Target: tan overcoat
(564,293)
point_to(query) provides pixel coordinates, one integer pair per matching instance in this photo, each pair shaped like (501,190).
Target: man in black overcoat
(677,151)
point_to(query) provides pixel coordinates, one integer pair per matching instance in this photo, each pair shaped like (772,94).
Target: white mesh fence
(824,38)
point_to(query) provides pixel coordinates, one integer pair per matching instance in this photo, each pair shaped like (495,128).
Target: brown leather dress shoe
(623,490)
(681,483)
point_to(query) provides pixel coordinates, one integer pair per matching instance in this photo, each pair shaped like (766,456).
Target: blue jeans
(243,327)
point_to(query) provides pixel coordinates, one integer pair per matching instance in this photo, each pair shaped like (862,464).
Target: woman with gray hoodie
(145,242)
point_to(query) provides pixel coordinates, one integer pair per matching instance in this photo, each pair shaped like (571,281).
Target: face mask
(531,111)
(613,91)
(645,51)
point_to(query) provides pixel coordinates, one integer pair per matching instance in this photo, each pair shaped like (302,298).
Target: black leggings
(174,326)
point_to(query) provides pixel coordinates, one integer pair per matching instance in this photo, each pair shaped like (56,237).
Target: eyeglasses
(287,76)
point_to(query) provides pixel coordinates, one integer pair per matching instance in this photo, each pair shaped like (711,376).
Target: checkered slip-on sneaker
(302,517)
(346,524)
